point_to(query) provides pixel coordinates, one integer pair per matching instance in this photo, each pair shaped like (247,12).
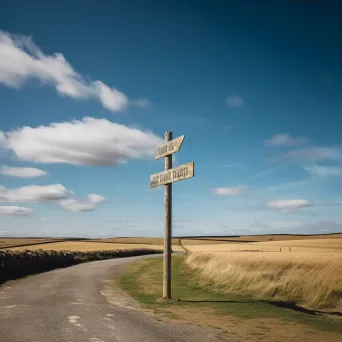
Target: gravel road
(76,304)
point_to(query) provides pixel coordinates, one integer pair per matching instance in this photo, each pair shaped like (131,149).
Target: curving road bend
(69,305)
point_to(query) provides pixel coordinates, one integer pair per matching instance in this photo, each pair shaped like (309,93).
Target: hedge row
(16,264)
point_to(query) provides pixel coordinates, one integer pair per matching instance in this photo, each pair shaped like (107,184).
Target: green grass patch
(143,281)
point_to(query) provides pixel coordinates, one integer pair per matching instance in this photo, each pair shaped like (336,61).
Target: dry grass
(310,275)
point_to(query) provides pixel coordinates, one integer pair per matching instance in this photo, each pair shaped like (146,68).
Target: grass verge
(246,318)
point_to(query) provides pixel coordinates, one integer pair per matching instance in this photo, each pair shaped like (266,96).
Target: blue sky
(87,92)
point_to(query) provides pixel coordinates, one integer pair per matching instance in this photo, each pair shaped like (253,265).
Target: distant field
(8,242)
(83,246)
(203,240)
(136,240)
(255,238)
(320,246)
(306,272)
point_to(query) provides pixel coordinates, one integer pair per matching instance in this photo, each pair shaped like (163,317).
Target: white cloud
(35,193)
(21,59)
(235,100)
(111,99)
(94,198)
(76,205)
(324,171)
(15,211)
(312,154)
(50,193)
(284,139)
(286,205)
(23,172)
(232,191)
(88,141)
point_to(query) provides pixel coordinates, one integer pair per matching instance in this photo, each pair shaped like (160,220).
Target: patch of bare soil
(242,329)
(115,295)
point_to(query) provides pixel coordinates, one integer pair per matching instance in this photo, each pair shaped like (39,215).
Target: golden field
(9,242)
(310,275)
(256,238)
(136,240)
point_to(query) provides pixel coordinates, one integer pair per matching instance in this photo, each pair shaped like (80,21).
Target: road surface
(74,305)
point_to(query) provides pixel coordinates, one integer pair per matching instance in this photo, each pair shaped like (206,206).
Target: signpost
(166,178)
(169,147)
(172,175)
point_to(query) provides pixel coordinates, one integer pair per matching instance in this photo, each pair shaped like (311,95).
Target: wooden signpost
(166,178)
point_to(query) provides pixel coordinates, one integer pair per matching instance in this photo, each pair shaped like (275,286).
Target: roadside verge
(231,314)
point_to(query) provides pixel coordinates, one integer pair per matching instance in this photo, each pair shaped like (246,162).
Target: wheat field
(305,272)
(8,242)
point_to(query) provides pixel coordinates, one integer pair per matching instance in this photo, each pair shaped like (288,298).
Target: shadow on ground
(216,301)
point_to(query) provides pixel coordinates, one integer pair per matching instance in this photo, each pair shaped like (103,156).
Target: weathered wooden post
(167,226)
(166,178)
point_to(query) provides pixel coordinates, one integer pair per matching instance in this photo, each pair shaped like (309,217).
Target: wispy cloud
(118,220)
(324,171)
(142,103)
(231,165)
(231,191)
(263,172)
(331,204)
(11,210)
(22,172)
(312,154)
(21,59)
(235,101)
(88,141)
(284,139)
(292,184)
(288,204)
